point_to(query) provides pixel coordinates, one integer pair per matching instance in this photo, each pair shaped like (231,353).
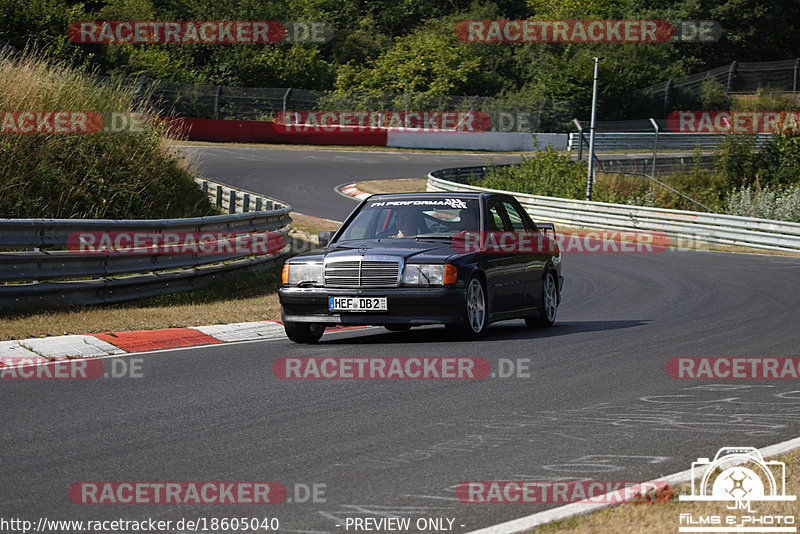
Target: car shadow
(496,332)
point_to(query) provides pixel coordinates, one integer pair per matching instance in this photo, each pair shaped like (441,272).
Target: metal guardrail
(609,141)
(36,266)
(685,226)
(237,200)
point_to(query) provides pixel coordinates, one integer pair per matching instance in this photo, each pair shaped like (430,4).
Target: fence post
(592,124)
(730,76)
(667,89)
(258,203)
(245,203)
(216,101)
(794,82)
(285,96)
(232,202)
(655,145)
(539,115)
(580,136)
(139,92)
(219,196)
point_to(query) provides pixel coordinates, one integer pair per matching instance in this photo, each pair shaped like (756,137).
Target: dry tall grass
(120,175)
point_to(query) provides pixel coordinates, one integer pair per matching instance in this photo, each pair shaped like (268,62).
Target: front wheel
(304,332)
(548,304)
(475,314)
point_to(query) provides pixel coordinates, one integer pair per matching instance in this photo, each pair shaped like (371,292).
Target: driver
(407,222)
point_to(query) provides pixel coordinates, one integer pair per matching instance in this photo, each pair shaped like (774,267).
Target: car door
(533,257)
(505,269)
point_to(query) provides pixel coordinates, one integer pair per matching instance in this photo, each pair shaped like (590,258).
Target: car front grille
(363,273)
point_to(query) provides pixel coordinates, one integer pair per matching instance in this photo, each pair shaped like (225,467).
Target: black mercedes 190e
(403,260)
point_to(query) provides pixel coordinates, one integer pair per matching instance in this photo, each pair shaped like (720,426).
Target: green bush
(768,203)
(97,175)
(547,172)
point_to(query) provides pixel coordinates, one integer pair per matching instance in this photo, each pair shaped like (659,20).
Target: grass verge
(403,185)
(664,517)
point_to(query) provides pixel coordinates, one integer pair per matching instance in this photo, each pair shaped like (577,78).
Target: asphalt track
(596,403)
(306,178)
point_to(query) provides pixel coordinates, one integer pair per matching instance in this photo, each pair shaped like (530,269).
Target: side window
(517,219)
(496,222)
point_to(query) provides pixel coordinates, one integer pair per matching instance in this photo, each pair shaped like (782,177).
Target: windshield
(429,218)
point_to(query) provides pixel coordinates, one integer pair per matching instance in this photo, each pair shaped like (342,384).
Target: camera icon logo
(738,474)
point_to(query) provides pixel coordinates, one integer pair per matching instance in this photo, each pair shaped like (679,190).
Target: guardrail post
(269,205)
(245,203)
(205,187)
(258,203)
(219,196)
(232,202)
(794,82)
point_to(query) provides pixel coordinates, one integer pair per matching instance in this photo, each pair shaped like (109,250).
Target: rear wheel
(304,332)
(548,304)
(475,313)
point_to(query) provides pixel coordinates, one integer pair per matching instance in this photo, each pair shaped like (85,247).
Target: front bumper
(411,306)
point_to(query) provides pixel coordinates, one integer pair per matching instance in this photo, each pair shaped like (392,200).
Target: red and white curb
(116,343)
(352,191)
(525,524)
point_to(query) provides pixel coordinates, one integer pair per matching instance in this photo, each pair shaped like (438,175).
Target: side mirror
(325,238)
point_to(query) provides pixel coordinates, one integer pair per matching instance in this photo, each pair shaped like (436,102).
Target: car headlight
(297,273)
(429,275)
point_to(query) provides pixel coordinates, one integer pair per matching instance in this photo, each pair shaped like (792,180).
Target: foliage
(713,95)
(782,204)
(547,172)
(396,46)
(758,183)
(764,99)
(95,175)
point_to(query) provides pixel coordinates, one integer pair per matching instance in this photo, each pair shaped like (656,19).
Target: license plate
(357,304)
